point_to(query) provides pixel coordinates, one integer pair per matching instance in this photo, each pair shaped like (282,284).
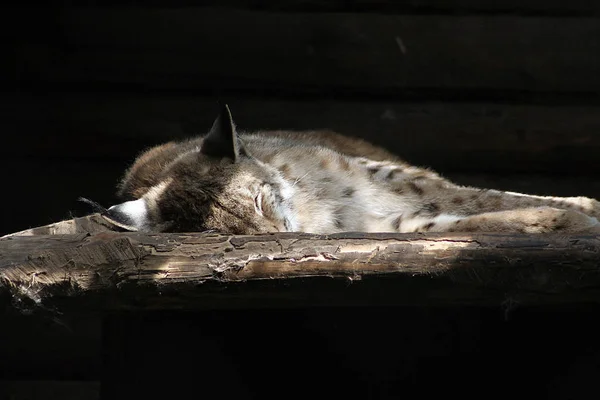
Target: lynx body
(318,182)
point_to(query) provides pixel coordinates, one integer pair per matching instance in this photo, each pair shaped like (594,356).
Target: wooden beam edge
(105,270)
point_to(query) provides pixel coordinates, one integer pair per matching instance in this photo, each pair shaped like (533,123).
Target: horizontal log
(111,270)
(449,137)
(223,49)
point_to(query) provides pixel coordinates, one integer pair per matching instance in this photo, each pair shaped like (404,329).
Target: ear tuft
(222,140)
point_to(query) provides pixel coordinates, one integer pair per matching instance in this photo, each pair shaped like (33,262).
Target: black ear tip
(225,111)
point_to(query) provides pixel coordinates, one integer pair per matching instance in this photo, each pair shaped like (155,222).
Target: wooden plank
(89,224)
(449,137)
(110,270)
(204,49)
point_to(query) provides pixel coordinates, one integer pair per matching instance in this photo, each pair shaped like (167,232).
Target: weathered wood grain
(209,49)
(89,224)
(110,270)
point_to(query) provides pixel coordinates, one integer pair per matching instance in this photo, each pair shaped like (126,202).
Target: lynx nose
(131,215)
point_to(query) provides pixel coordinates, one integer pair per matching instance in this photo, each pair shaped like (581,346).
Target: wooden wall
(502,94)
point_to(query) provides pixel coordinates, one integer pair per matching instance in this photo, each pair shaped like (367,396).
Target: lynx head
(210,183)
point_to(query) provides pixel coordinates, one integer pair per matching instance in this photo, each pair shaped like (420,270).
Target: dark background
(501,94)
(498,94)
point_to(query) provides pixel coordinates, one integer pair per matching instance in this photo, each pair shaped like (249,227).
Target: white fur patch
(286,208)
(135,210)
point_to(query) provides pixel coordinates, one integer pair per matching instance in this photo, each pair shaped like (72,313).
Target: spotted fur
(319,182)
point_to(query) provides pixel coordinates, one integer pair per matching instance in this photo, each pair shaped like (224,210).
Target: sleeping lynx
(318,182)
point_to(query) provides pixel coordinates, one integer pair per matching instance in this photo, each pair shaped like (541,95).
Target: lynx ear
(222,141)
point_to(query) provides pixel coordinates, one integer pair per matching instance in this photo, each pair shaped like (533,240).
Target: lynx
(318,182)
